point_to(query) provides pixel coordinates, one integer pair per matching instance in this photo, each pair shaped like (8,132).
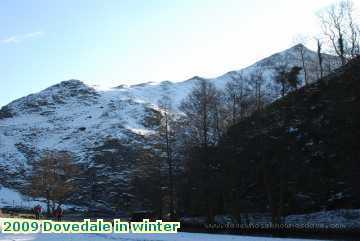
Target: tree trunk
(48,202)
(170,167)
(303,65)
(234,111)
(320,60)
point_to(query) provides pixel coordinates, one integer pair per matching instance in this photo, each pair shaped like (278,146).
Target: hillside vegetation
(301,153)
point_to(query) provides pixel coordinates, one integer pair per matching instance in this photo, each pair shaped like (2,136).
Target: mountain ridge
(89,121)
(282,56)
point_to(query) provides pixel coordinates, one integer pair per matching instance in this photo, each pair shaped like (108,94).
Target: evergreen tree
(281,78)
(287,78)
(293,77)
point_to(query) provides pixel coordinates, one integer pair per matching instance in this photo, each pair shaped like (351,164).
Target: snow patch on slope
(12,198)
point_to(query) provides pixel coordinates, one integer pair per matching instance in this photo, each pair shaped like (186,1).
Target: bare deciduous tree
(257,81)
(53,178)
(167,136)
(301,40)
(201,108)
(320,58)
(341,29)
(235,96)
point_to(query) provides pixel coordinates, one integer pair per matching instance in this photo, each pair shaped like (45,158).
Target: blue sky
(113,42)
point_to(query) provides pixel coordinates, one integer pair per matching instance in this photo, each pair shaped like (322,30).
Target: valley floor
(135,237)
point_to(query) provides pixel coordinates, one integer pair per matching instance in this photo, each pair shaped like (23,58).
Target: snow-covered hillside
(81,119)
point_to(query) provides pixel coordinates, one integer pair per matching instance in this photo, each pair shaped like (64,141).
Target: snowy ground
(12,198)
(135,237)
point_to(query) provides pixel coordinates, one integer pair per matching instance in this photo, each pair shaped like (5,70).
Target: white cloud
(21,37)
(33,34)
(12,39)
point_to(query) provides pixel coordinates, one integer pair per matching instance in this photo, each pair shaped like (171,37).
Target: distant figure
(58,213)
(37,211)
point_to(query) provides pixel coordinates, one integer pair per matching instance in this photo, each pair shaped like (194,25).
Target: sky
(113,42)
